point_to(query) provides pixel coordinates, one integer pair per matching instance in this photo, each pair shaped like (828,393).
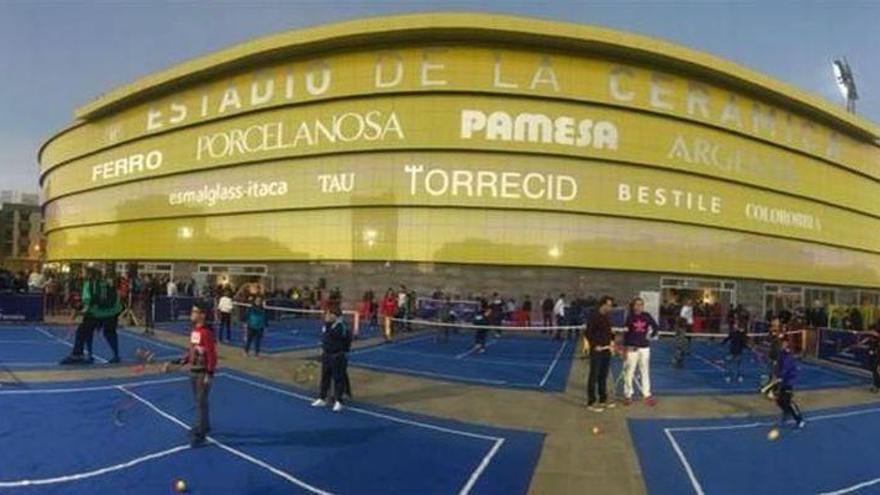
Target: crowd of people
(100,299)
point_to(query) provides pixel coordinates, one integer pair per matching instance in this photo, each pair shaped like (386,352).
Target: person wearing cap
(202,360)
(335,344)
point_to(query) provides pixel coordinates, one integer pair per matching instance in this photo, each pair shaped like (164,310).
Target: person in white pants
(640,328)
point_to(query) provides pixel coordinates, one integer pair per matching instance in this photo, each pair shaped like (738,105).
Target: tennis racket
(769,386)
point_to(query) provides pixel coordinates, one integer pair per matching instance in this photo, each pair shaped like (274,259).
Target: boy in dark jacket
(202,360)
(335,344)
(786,373)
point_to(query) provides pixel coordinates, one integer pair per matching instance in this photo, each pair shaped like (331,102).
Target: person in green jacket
(100,309)
(255,320)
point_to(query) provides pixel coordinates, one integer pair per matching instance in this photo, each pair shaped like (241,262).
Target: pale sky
(58,55)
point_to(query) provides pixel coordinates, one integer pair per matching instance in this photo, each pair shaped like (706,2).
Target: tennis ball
(773,434)
(179,486)
(596,430)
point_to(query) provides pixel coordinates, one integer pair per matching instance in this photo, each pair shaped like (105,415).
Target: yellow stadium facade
(468,152)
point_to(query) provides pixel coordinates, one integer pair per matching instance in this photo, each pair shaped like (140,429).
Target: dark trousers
(85,335)
(200,389)
(150,314)
(225,326)
(333,366)
(547,321)
(874,363)
(597,380)
(110,324)
(255,337)
(785,401)
(480,337)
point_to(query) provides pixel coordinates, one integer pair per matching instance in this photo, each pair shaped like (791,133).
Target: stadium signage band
(471,69)
(484,123)
(461,236)
(471,180)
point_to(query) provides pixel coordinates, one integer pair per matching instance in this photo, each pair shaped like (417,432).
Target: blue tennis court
(836,453)
(25,347)
(511,360)
(705,371)
(130,436)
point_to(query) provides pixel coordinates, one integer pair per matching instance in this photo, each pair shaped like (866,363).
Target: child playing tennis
(739,341)
(255,320)
(202,360)
(786,373)
(481,320)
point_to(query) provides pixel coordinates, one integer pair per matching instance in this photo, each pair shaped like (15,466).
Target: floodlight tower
(846,83)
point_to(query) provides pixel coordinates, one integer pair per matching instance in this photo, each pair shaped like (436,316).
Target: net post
(356,323)
(387,325)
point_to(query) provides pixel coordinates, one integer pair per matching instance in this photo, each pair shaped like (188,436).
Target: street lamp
(845,83)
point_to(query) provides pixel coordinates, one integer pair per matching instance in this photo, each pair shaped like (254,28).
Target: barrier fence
(21,307)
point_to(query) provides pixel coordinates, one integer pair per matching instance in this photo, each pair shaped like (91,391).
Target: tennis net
(300,321)
(846,347)
(400,329)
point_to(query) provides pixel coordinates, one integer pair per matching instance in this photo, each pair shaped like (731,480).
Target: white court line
(483,359)
(430,374)
(474,349)
(497,441)
(131,334)
(695,483)
(856,487)
(475,475)
(482,467)
(283,474)
(553,364)
(96,472)
(96,388)
(68,344)
(709,362)
(698,489)
(390,345)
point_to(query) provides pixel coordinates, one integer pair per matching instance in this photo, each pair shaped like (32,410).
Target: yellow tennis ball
(596,430)
(773,434)
(179,486)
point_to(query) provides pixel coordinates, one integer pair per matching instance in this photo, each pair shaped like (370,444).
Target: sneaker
(727,379)
(72,360)
(595,408)
(607,405)
(739,379)
(626,402)
(319,403)
(801,424)
(650,401)
(337,406)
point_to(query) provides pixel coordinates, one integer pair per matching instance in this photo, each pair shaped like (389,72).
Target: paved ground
(573,459)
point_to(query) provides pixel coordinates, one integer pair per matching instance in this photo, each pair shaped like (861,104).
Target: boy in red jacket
(202,360)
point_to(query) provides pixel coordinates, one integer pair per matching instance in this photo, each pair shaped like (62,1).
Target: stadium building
(471,152)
